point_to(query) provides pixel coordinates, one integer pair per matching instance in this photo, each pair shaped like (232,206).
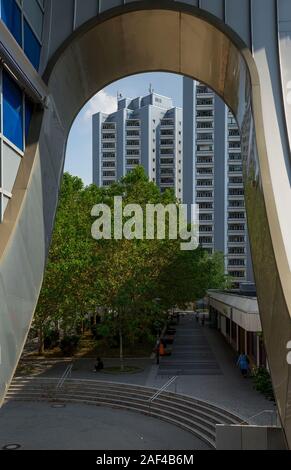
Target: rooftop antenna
(151,90)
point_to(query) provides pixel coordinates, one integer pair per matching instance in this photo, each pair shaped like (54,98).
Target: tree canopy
(135,282)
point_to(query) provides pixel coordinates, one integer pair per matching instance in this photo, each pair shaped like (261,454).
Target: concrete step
(109,387)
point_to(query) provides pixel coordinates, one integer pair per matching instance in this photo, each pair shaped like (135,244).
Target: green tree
(135,281)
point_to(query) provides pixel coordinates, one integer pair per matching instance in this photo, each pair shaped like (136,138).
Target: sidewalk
(206,369)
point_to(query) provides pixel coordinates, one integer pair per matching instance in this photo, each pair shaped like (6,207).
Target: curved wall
(128,42)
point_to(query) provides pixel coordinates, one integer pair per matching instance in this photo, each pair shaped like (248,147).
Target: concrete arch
(144,36)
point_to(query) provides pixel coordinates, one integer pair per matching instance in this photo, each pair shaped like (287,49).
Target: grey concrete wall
(249,438)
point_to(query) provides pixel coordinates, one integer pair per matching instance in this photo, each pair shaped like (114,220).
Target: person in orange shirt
(162,350)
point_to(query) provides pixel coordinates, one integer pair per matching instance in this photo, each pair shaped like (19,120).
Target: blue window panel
(28,116)
(11,16)
(12,111)
(32,46)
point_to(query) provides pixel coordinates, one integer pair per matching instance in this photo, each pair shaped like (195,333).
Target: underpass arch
(133,39)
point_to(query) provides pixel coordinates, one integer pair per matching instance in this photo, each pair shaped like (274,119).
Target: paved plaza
(81,427)
(205,365)
(206,369)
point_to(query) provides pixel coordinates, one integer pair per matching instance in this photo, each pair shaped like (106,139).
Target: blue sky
(79,148)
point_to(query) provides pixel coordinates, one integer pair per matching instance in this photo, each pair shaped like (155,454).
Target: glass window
(12,111)
(11,16)
(31,45)
(33,12)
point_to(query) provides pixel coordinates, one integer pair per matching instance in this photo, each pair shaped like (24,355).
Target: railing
(161,390)
(65,376)
(272,414)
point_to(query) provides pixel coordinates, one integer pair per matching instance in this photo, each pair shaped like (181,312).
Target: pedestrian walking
(243,363)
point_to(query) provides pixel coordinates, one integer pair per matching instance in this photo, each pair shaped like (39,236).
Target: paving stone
(191,353)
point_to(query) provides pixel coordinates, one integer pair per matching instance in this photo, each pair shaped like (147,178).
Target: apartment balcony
(170,172)
(234,138)
(167,146)
(236,220)
(109,149)
(238,197)
(204,199)
(200,127)
(132,124)
(235,186)
(109,129)
(236,232)
(237,262)
(207,163)
(234,149)
(204,107)
(235,170)
(201,153)
(236,208)
(205,188)
(164,134)
(241,277)
(167,159)
(109,178)
(239,257)
(133,162)
(205,94)
(202,141)
(204,119)
(204,175)
(206,222)
(236,268)
(135,145)
(108,158)
(206,244)
(133,137)
(167,125)
(112,166)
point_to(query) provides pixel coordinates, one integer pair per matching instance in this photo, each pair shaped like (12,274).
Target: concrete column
(258,351)
(246,342)
(230,331)
(237,338)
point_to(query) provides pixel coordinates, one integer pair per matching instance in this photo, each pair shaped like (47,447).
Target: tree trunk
(40,341)
(121,349)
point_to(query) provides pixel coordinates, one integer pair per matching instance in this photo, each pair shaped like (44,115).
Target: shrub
(95,332)
(263,382)
(51,339)
(69,345)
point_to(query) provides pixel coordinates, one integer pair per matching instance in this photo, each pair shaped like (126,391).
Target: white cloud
(102,102)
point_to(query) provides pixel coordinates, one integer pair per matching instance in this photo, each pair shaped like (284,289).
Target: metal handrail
(66,374)
(161,390)
(271,412)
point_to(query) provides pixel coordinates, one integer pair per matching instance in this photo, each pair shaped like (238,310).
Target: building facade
(213,177)
(237,318)
(144,131)
(24,21)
